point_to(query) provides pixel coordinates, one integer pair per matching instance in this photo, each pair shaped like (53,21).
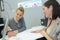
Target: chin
(46,17)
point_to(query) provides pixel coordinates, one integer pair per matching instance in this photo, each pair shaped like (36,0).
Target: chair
(44,22)
(1,26)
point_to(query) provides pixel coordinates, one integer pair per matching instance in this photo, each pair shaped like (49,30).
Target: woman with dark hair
(51,10)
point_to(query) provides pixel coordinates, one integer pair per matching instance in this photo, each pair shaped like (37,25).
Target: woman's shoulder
(57,25)
(11,20)
(58,20)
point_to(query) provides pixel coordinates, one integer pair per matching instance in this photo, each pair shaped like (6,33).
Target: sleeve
(22,29)
(58,33)
(23,25)
(55,32)
(9,22)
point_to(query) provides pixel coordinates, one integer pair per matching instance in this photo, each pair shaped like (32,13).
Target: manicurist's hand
(38,31)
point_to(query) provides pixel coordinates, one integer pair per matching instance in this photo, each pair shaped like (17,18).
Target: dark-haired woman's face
(47,12)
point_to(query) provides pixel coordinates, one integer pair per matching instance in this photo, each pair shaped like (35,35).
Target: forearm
(22,29)
(46,36)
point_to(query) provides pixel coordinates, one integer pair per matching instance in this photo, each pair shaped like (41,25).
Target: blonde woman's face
(19,14)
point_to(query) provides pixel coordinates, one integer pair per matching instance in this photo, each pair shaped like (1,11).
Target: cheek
(20,17)
(17,16)
(46,13)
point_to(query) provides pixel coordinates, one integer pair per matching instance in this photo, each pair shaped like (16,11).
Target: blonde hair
(21,9)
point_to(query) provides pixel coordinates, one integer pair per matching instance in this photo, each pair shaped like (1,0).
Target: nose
(17,16)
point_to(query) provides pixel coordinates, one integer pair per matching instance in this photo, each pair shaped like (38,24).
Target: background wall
(32,16)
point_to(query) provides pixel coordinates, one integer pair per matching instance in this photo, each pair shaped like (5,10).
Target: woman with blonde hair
(16,24)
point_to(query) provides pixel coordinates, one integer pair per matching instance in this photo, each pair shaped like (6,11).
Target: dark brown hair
(56,8)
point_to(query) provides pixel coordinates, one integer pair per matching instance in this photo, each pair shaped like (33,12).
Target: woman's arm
(11,32)
(8,28)
(43,32)
(45,35)
(23,25)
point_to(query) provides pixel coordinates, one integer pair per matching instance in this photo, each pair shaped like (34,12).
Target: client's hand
(11,34)
(16,31)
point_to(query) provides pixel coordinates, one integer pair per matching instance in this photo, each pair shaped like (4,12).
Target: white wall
(32,16)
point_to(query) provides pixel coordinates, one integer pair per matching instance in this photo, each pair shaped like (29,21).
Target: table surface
(27,35)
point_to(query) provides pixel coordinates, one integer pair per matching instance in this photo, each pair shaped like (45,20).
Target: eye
(17,14)
(20,15)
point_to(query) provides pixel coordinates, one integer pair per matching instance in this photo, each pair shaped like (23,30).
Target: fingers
(11,34)
(37,31)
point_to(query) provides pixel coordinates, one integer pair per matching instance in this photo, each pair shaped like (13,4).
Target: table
(27,35)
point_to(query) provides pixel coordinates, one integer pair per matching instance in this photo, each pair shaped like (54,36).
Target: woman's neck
(15,19)
(53,23)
